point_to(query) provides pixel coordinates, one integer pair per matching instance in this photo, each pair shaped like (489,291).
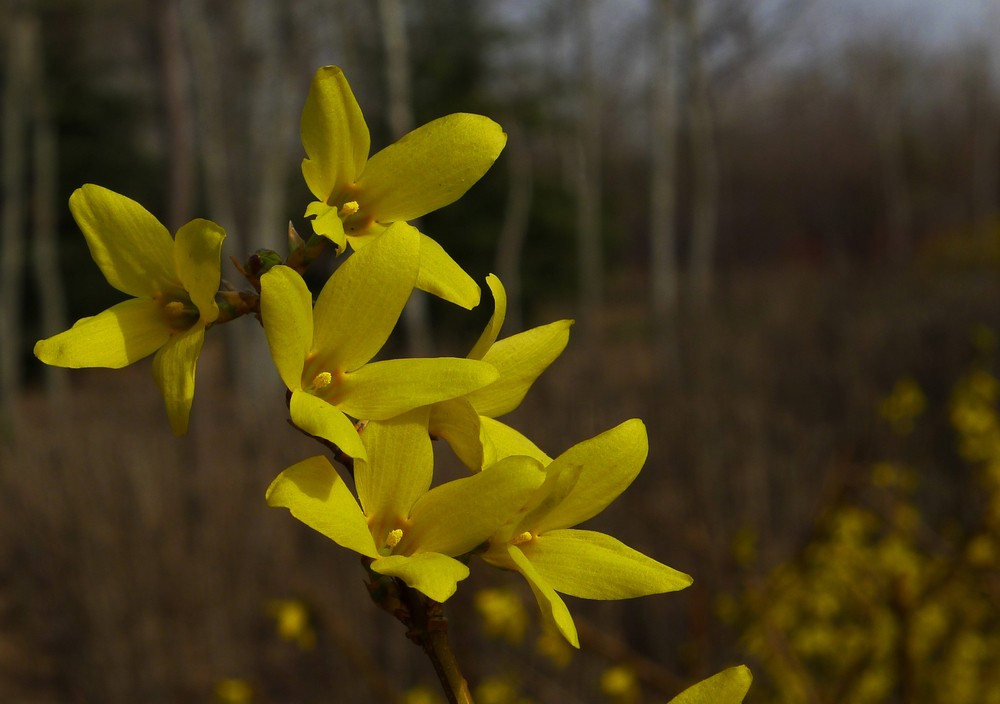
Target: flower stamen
(520,539)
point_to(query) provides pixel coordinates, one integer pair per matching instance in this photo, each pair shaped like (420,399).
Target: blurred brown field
(138,567)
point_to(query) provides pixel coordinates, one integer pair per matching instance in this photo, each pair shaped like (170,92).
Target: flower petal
(287,314)
(456,422)
(316,495)
(385,389)
(132,248)
(727,687)
(553,608)
(437,576)
(441,276)
(360,304)
(593,565)
(334,134)
(399,468)
(174,371)
(432,166)
(455,517)
(520,360)
(123,334)
(317,417)
(608,463)
(197,256)
(500,441)
(492,330)
(327,222)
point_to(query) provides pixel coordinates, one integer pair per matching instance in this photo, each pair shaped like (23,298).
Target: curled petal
(437,576)
(520,360)
(441,276)
(727,687)
(121,335)
(174,369)
(553,608)
(327,222)
(317,417)
(197,256)
(334,134)
(456,422)
(493,327)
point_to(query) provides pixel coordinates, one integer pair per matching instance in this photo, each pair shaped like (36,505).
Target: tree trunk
(22,31)
(664,281)
(590,271)
(705,165)
(514,230)
(397,69)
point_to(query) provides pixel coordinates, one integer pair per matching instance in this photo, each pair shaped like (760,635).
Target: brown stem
(428,628)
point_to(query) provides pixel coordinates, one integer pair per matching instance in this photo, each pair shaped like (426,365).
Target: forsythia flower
(173,283)
(323,355)
(467,423)
(427,169)
(408,531)
(578,485)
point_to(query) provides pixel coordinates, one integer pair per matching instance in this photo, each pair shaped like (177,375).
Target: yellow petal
(432,166)
(174,371)
(133,250)
(121,335)
(197,256)
(316,495)
(492,330)
(436,576)
(456,422)
(287,314)
(455,517)
(440,276)
(317,417)
(360,304)
(327,222)
(593,565)
(553,608)
(727,687)
(608,463)
(398,470)
(520,360)
(500,441)
(334,134)
(385,389)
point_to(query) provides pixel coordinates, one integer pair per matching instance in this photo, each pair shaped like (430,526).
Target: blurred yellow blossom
(293,622)
(233,691)
(903,405)
(503,614)
(619,684)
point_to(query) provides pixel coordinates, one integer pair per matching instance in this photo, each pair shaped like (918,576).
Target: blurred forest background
(775,222)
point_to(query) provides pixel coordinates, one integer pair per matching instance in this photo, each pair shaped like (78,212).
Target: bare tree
(705,161)
(514,230)
(22,31)
(397,67)
(664,277)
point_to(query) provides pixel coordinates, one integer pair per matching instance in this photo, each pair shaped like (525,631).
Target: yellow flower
(539,543)
(323,355)
(408,531)
(468,423)
(173,283)
(233,691)
(429,168)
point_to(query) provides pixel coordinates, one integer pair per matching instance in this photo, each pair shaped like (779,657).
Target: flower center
(349,208)
(180,312)
(522,538)
(391,541)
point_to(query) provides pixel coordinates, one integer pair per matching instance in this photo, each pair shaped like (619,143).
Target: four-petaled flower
(408,530)
(553,557)
(427,169)
(467,423)
(323,354)
(173,282)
